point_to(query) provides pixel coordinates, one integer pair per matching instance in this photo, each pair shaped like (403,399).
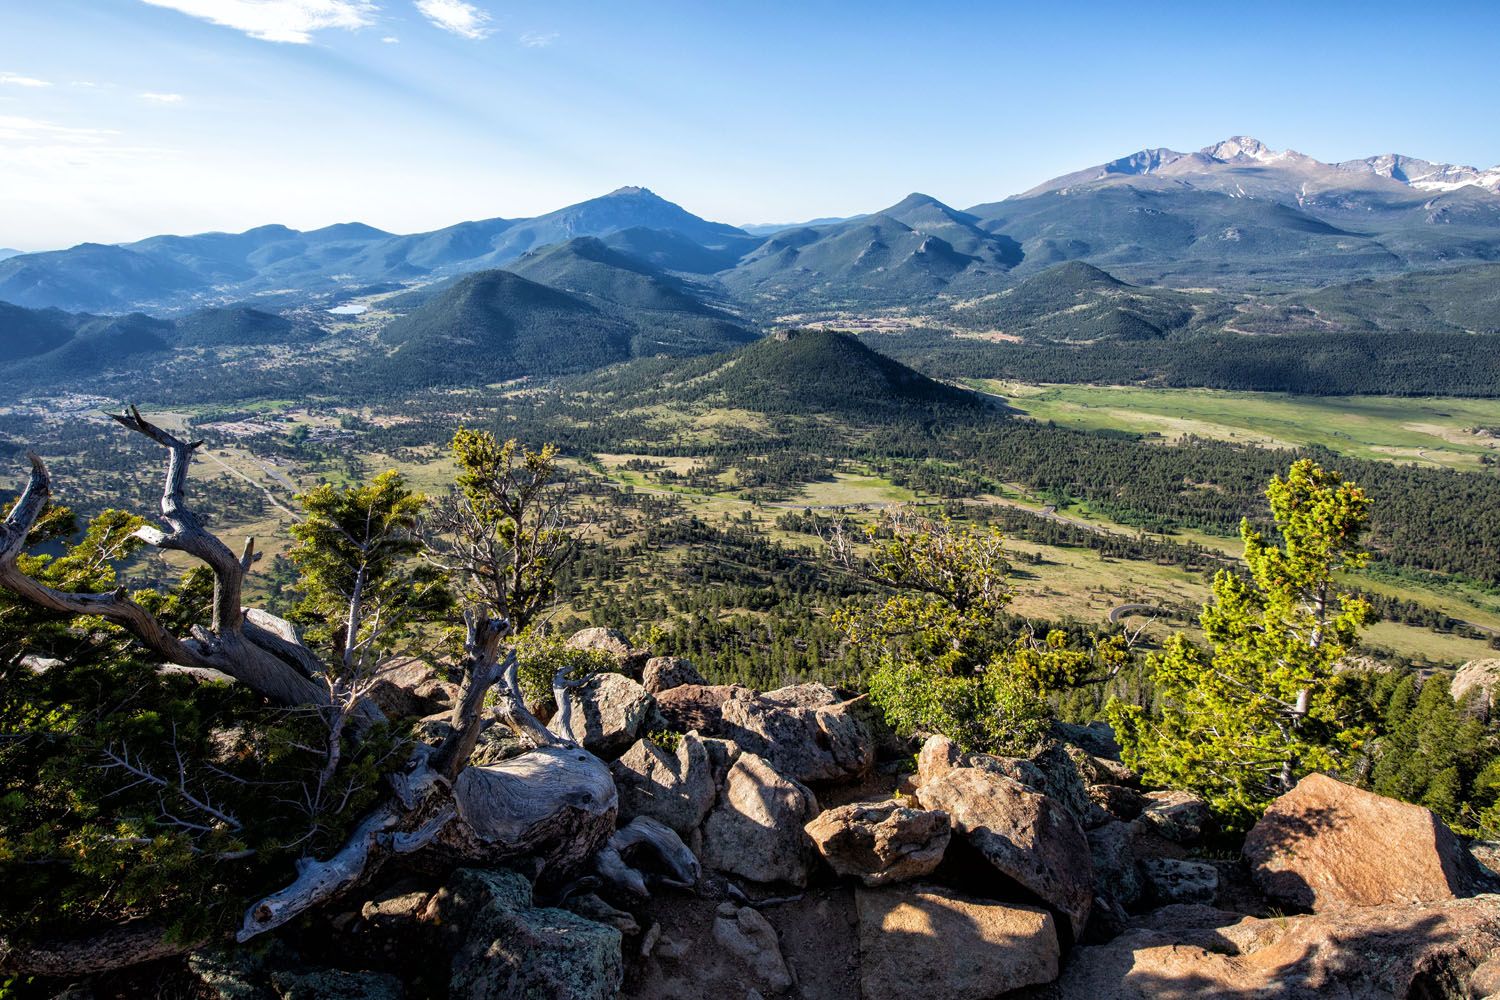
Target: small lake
(352,309)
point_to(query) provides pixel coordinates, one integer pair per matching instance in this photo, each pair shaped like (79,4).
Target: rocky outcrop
(1181,817)
(805,731)
(662,673)
(881,842)
(608,711)
(515,949)
(756,830)
(932,943)
(1373,953)
(677,789)
(1023,834)
(1326,844)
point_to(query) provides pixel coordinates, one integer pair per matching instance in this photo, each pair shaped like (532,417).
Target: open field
(1433,431)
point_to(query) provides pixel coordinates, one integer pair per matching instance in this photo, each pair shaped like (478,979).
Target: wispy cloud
(292,21)
(538,39)
(390,40)
(160,98)
(17,80)
(461,18)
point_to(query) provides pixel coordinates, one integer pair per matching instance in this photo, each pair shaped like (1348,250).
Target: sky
(121,119)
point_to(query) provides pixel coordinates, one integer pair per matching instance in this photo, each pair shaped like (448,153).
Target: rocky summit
(826,865)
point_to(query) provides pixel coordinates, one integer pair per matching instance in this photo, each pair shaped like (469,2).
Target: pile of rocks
(833,867)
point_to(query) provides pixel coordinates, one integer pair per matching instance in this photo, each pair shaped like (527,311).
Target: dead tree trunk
(556,803)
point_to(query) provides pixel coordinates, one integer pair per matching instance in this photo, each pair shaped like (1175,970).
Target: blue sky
(124,118)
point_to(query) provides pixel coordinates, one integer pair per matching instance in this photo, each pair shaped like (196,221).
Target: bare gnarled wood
(644,833)
(128,944)
(556,804)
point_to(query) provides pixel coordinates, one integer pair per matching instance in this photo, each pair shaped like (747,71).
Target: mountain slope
(493,326)
(913,250)
(1077,302)
(793,373)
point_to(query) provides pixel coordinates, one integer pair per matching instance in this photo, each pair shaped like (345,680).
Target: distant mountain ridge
(1235,214)
(1245,151)
(173,273)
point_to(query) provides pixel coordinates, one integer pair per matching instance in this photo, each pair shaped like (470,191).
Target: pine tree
(1242,721)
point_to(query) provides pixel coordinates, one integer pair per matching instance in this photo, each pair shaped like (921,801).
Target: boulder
(677,789)
(755,831)
(610,642)
(934,944)
(1326,844)
(1173,880)
(1181,817)
(1482,677)
(1096,738)
(662,673)
(1120,801)
(939,755)
(1022,833)
(698,706)
(1055,773)
(515,949)
(1116,873)
(1487,853)
(405,687)
(742,932)
(608,711)
(804,731)
(1370,953)
(881,842)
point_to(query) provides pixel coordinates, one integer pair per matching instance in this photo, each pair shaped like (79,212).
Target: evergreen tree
(1242,721)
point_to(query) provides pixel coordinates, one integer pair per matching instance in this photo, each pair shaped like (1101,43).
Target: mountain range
(1236,214)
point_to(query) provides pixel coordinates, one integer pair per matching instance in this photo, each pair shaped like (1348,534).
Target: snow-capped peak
(1424,175)
(1242,148)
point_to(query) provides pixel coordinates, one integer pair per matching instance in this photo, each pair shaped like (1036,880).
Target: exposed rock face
(1180,881)
(1023,834)
(803,730)
(514,949)
(1326,844)
(745,934)
(608,711)
(407,687)
(675,789)
(1373,953)
(881,842)
(756,829)
(698,706)
(933,944)
(662,673)
(1482,676)
(1181,817)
